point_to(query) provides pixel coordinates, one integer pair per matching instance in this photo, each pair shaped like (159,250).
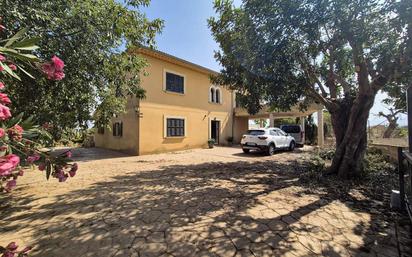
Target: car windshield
(291,129)
(255,132)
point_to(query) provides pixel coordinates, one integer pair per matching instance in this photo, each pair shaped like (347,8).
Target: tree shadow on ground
(210,209)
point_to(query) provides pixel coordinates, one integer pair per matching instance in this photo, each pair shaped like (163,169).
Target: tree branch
(345,85)
(310,73)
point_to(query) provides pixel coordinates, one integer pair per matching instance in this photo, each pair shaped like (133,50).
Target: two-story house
(181,110)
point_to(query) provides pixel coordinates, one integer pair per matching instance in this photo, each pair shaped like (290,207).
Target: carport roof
(266,112)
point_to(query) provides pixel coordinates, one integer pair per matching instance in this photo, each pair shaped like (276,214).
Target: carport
(242,117)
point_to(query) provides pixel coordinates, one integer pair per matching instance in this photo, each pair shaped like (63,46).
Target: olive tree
(339,53)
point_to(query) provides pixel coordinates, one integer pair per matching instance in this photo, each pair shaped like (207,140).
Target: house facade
(181,110)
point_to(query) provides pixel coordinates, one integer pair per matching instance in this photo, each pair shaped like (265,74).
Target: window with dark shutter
(175,83)
(118,129)
(175,127)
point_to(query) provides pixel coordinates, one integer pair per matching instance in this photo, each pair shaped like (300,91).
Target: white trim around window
(214,97)
(165,118)
(176,73)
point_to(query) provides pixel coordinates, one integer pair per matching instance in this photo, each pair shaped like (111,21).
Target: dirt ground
(203,202)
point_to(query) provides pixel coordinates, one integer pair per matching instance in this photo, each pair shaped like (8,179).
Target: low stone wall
(390,150)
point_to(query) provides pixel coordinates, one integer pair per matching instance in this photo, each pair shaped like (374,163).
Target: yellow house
(182,110)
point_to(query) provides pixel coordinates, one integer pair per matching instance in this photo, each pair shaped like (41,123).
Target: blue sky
(187,36)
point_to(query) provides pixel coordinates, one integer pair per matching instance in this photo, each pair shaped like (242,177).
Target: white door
(282,138)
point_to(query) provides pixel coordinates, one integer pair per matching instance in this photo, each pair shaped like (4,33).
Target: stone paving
(206,202)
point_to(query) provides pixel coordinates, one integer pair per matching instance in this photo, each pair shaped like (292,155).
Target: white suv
(267,140)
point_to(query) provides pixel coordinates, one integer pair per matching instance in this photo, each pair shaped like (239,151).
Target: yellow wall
(194,106)
(128,143)
(241,125)
(145,135)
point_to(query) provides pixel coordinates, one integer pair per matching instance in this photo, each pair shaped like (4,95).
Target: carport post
(320,128)
(302,123)
(271,120)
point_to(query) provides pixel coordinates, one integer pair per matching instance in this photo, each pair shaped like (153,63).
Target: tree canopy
(338,53)
(89,35)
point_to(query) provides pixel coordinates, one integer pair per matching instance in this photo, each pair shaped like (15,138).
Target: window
(100,130)
(212,95)
(273,133)
(174,83)
(291,128)
(118,129)
(215,95)
(281,133)
(175,127)
(255,132)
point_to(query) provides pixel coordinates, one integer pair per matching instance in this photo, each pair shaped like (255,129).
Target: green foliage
(327,153)
(337,53)
(284,121)
(311,130)
(376,163)
(278,51)
(316,164)
(89,36)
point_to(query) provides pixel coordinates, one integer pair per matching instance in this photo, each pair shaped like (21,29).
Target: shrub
(327,154)
(376,163)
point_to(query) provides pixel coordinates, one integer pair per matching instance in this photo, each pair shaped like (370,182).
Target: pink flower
(1,85)
(8,163)
(75,167)
(42,166)
(26,249)
(33,158)
(15,132)
(10,185)
(69,154)
(2,132)
(72,173)
(8,254)
(4,112)
(62,177)
(12,67)
(58,63)
(2,27)
(21,173)
(12,246)
(54,69)
(13,159)
(1,68)
(2,58)
(4,99)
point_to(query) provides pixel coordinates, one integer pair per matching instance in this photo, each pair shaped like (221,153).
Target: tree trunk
(390,129)
(349,123)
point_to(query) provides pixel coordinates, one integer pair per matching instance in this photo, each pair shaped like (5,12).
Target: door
(215,130)
(283,138)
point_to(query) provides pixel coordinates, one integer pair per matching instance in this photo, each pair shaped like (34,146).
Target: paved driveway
(206,202)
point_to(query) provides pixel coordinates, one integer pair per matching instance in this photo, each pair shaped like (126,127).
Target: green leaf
(17,36)
(27,48)
(18,55)
(9,71)
(25,72)
(27,42)
(15,120)
(48,169)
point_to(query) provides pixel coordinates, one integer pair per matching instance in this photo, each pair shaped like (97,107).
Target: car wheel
(271,149)
(246,150)
(292,146)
